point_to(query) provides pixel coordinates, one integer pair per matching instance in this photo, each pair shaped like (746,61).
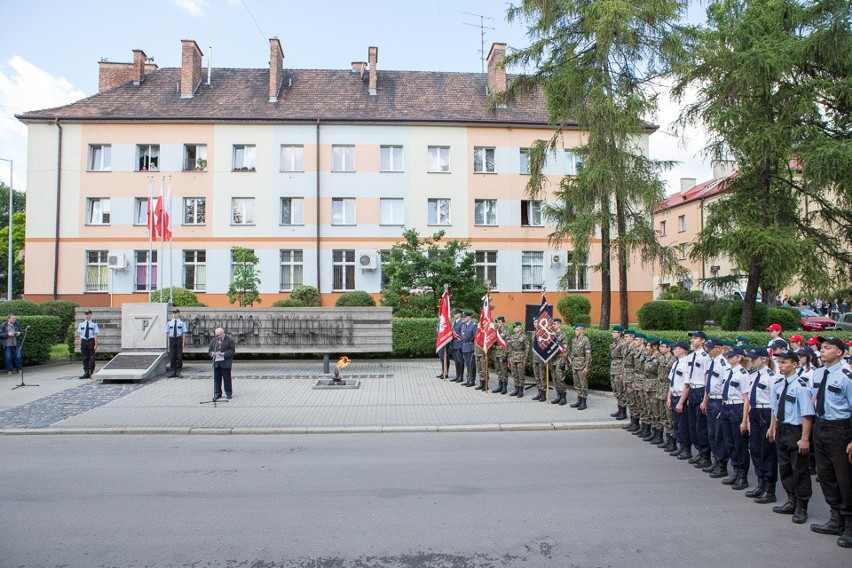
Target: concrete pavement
(272,397)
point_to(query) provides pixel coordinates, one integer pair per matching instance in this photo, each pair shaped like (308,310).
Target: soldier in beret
(581,364)
(501,354)
(518,348)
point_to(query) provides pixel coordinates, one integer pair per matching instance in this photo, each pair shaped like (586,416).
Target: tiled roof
(701,191)
(306,95)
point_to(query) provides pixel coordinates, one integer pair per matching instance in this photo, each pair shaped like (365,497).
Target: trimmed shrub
(788,318)
(355,299)
(414,337)
(64,310)
(695,316)
(573,308)
(680,307)
(599,372)
(289,303)
(731,321)
(41,337)
(19,308)
(717,311)
(181,297)
(582,318)
(307,294)
(658,315)
(69,338)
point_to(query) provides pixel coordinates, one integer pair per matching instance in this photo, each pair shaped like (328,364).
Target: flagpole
(486,372)
(447,346)
(171,249)
(546,381)
(151,227)
(162,236)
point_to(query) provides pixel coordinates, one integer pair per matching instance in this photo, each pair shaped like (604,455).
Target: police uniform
(456,346)
(699,361)
(175,331)
(581,366)
(558,365)
(713,395)
(737,384)
(764,456)
(468,332)
(88,331)
(677,383)
(518,350)
(501,353)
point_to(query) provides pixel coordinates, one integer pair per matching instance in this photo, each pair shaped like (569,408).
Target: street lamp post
(9,267)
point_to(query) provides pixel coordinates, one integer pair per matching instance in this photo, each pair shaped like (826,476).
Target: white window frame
(577,275)
(343,158)
(199,267)
(524,161)
(140,211)
(245,206)
(343,270)
(292,263)
(485,212)
(391,159)
(100,158)
(532,208)
(96,275)
(573,162)
(391,211)
(684,251)
(481,160)
(681,223)
(244,158)
(140,273)
(532,270)
(438,159)
(292,157)
(97,211)
(434,214)
(663,228)
(297,211)
(192,214)
(486,267)
(191,154)
(234,264)
(147,157)
(343,211)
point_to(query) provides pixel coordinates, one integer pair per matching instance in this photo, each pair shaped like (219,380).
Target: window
(438,159)
(195,270)
(439,212)
(195,157)
(343,267)
(524,165)
(343,158)
(390,211)
(531,213)
(486,267)
(100,158)
(343,211)
(684,249)
(391,158)
(532,270)
(235,264)
(97,271)
(662,228)
(194,209)
(573,162)
(577,275)
(147,157)
(385,258)
(485,211)
(681,223)
(244,158)
(292,211)
(242,211)
(97,211)
(292,158)
(140,211)
(483,160)
(291,269)
(140,283)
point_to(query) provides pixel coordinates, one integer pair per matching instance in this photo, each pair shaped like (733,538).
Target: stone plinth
(143,325)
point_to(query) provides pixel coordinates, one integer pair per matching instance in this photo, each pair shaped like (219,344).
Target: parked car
(844,322)
(812,321)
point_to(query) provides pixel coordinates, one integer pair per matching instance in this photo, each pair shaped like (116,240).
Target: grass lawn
(59,352)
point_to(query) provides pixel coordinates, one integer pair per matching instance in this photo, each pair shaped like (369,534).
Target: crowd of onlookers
(831,308)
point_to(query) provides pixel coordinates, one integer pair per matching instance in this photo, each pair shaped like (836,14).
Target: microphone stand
(18,354)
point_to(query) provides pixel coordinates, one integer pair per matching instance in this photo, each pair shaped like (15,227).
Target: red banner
(445,329)
(486,335)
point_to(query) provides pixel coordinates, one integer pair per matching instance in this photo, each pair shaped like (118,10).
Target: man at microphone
(12,334)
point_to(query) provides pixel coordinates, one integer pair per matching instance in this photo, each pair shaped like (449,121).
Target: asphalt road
(448,500)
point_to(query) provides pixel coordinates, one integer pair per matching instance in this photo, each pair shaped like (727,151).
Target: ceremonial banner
(544,340)
(486,335)
(445,329)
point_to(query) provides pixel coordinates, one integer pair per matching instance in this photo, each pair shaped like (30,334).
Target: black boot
(633,426)
(664,439)
(481,385)
(499,387)
(520,393)
(652,433)
(711,465)
(722,470)
(538,395)
(845,539)
(505,388)
(758,490)
(643,426)
(657,439)
(582,405)
(702,461)
(801,514)
(616,414)
(675,450)
(558,398)
(732,478)
(685,453)
(623,415)
(833,526)
(471,381)
(768,494)
(741,482)
(787,508)
(544,396)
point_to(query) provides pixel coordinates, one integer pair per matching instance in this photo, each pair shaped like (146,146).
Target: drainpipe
(58,193)
(703,258)
(319,278)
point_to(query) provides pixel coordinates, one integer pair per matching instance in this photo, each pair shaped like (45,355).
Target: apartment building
(317,171)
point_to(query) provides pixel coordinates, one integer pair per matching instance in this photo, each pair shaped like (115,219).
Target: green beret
(652,339)
(518,324)
(578,325)
(557,320)
(629,332)
(640,335)
(535,318)
(618,328)
(742,339)
(728,343)
(500,318)
(747,347)
(666,342)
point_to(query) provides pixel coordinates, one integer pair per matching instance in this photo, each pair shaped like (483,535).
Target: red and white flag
(486,335)
(445,328)
(166,219)
(152,219)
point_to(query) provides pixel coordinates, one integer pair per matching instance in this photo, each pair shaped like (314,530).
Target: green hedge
(788,318)
(574,309)
(658,315)
(289,303)
(308,294)
(355,299)
(64,310)
(731,321)
(19,308)
(181,297)
(41,337)
(414,337)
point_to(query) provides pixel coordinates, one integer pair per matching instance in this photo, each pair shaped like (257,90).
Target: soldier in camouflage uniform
(501,355)
(581,364)
(558,365)
(628,363)
(539,368)
(518,349)
(638,384)
(616,369)
(649,389)
(663,382)
(479,357)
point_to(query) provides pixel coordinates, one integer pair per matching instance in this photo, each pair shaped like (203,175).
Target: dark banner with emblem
(544,340)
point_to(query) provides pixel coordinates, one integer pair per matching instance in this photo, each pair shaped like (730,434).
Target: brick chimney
(496,71)
(373,59)
(276,69)
(111,75)
(138,66)
(190,68)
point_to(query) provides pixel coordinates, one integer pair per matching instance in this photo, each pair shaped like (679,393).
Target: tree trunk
(755,272)
(623,261)
(606,265)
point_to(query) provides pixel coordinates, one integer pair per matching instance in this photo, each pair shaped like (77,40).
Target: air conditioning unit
(714,268)
(555,260)
(368,260)
(116,261)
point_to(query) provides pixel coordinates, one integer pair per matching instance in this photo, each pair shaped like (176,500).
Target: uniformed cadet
(479,359)
(468,332)
(735,389)
(666,362)
(456,346)
(832,434)
(518,347)
(699,361)
(176,332)
(581,365)
(501,354)
(764,457)
(88,331)
(651,370)
(628,364)
(712,408)
(558,365)
(775,331)
(639,354)
(792,418)
(741,341)
(616,367)
(796,342)
(677,400)
(538,367)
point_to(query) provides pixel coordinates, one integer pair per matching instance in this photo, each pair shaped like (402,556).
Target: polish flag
(152,217)
(445,328)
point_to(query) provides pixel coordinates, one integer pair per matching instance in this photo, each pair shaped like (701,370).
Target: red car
(812,321)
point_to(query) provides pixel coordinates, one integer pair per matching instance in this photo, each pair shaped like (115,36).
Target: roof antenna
(482,27)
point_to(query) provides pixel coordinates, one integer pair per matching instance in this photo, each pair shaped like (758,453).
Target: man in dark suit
(221,350)
(456,346)
(468,332)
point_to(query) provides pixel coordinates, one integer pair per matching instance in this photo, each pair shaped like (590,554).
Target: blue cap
(457,311)
(758,352)
(466,314)
(735,351)
(682,344)
(779,344)
(791,355)
(700,334)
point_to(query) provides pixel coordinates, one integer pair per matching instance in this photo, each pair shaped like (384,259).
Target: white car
(844,322)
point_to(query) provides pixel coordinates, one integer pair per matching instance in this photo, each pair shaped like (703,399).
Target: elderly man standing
(222,350)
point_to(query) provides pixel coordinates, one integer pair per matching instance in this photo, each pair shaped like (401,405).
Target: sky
(49,50)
